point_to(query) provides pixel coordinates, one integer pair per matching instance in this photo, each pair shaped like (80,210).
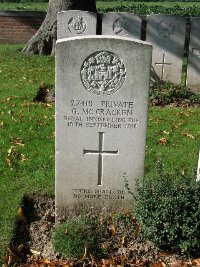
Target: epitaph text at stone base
(102,85)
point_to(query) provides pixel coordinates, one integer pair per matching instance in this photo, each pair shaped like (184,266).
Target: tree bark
(43,42)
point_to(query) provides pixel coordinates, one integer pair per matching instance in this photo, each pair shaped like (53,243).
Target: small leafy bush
(168,210)
(73,237)
(164,93)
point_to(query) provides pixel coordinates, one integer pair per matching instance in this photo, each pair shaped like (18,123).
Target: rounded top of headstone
(105,37)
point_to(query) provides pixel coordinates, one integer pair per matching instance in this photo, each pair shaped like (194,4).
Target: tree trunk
(43,42)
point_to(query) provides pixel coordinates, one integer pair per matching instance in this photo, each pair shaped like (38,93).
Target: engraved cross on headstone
(100,152)
(163,63)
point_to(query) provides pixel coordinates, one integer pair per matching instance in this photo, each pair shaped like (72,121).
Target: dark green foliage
(72,237)
(143,9)
(23,1)
(164,93)
(168,210)
(150,1)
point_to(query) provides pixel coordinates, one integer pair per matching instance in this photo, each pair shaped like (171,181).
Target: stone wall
(19,26)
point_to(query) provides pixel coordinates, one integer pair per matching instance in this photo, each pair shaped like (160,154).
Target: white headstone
(122,24)
(198,169)
(193,71)
(102,85)
(76,23)
(167,35)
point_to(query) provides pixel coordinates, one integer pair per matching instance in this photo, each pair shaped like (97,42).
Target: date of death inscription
(89,194)
(107,114)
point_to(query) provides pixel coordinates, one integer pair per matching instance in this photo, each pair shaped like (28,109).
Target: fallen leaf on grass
(188,135)
(66,232)
(180,264)
(112,230)
(23,158)
(47,105)
(1,124)
(162,141)
(85,253)
(20,144)
(165,132)
(10,150)
(8,99)
(181,122)
(11,258)
(21,215)
(124,240)
(105,262)
(159,264)
(35,252)
(181,114)
(137,230)
(8,162)
(26,104)
(39,123)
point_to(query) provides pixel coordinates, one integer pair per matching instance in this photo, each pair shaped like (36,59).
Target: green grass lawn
(33,6)
(27,135)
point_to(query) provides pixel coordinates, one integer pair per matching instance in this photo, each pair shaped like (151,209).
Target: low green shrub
(71,238)
(168,210)
(165,93)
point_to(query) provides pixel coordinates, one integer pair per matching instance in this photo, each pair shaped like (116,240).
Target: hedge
(142,9)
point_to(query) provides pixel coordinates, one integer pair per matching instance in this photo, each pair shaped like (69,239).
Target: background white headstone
(193,71)
(166,33)
(102,85)
(198,169)
(76,23)
(122,24)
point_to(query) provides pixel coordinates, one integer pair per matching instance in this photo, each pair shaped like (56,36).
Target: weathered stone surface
(167,35)
(75,23)
(102,85)
(193,71)
(198,169)
(122,24)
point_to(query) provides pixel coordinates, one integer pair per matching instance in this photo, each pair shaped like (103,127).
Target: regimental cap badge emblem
(165,29)
(77,24)
(120,27)
(103,73)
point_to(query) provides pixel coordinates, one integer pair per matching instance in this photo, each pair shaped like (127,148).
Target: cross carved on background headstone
(163,63)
